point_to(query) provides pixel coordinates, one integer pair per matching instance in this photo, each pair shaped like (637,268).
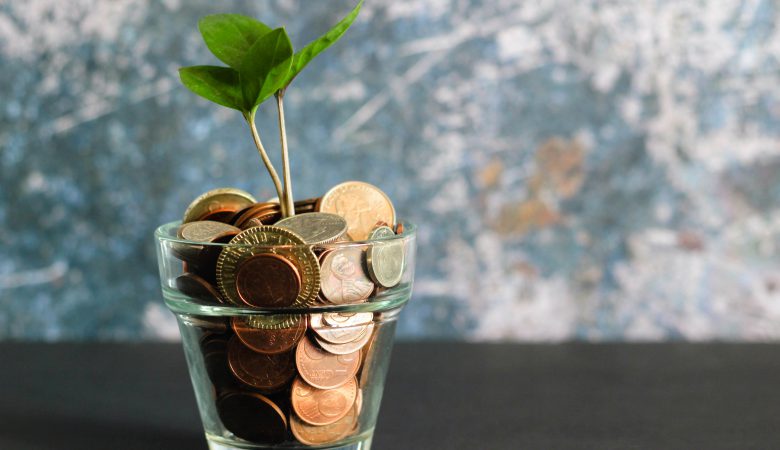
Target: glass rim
(163,234)
(394,299)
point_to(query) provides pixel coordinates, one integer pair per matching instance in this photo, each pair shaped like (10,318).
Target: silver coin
(349,347)
(385,260)
(315,227)
(340,334)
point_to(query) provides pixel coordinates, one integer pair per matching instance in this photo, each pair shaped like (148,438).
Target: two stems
(283,192)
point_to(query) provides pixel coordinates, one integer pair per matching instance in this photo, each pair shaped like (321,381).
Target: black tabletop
(438,396)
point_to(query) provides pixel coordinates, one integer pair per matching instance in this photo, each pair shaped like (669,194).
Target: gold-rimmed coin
(385,259)
(343,279)
(265,240)
(322,406)
(315,227)
(322,369)
(347,348)
(341,334)
(361,204)
(217,202)
(325,434)
(257,332)
(262,371)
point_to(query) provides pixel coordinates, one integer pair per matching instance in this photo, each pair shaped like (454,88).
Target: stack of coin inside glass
(292,375)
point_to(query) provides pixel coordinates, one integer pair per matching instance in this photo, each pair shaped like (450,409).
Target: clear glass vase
(300,376)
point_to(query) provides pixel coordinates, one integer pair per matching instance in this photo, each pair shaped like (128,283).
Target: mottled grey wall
(579,169)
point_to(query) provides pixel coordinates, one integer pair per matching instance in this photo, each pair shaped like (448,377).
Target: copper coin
(195,286)
(213,347)
(347,348)
(362,204)
(252,417)
(399,229)
(322,406)
(322,369)
(268,280)
(260,370)
(256,333)
(215,202)
(344,319)
(343,279)
(344,333)
(306,206)
(258,211)
(325,434)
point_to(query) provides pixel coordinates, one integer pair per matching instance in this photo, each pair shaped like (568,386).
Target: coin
(343,278)
(222,201)
(214,350)
(361,204)
(256,333)
(206,231)
(195,286)
(267,280)
(268,240)
(322,406)
(343,333)
(347,348)
(315,228)
(306,206)
(253,417)
(325,434)
(399,229)
(323,370)
(385,260)
(264,212)
(343,319)
(262,371)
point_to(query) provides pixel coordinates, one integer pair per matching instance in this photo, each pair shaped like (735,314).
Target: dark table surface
(438,396)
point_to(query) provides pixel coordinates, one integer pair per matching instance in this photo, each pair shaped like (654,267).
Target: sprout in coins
(261,64)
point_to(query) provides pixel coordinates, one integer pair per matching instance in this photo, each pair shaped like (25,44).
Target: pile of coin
(290,375)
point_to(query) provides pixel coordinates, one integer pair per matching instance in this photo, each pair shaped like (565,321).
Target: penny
(385,260)
(222,201)
(196,287)
(343,278)
(315,228)
(399,229)
(267,280)
(265,240)
(341,334)
(262,371)
(325,434)
(214,350)
(347,348)
(257,333)
(264,212)
(324,370)
(253,417)
(322,406)
(361,204)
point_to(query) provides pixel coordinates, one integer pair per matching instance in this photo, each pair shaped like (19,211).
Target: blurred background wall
(579,169)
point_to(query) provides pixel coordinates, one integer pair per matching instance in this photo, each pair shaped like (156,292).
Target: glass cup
(304,376)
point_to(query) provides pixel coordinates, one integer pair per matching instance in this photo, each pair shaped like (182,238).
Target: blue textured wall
(579,169)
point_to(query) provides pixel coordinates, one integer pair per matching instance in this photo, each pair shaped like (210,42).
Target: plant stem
(288,196)
(250,118)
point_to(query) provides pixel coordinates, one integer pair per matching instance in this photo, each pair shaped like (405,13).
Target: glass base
(356,442)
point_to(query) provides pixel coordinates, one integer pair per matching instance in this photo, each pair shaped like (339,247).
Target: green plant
(261,63)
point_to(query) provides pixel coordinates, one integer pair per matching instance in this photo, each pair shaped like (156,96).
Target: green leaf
(229,36)
(265,67)
(314,48)
(218,84)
